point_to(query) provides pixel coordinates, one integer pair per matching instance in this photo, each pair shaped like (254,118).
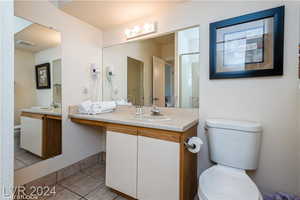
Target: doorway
(135,81)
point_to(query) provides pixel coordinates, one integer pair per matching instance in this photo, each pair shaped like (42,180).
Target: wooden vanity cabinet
(41,134)
(52,136)
(150,164)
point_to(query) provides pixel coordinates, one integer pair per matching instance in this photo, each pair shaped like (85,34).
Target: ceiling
(40,36)
(106,14)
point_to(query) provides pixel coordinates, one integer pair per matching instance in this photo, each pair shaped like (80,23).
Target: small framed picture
(42,72)
(248,46)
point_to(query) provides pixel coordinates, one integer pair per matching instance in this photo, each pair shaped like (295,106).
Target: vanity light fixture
(140,30)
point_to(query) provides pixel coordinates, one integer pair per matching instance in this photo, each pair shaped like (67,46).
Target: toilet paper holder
(189,146)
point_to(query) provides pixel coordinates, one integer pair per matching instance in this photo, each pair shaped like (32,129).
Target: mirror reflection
(161,71)
(37,89)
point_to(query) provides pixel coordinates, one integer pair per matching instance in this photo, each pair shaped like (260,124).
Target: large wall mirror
(161,71)
(37,89)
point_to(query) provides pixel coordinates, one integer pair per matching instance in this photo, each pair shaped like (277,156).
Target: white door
(158,81)
(32,135)
(158,169)
(121,162)
(6,100)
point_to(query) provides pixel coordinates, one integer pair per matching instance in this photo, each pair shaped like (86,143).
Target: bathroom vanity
(146,157)
(41,132)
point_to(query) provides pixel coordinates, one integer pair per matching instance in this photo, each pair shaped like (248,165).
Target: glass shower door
(188,68)
(189,79)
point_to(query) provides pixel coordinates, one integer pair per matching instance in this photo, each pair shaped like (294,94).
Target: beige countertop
(174,119)
(53,111)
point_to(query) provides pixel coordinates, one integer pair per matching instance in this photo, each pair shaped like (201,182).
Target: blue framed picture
(248,46)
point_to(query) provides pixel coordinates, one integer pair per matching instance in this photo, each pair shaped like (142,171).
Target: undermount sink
(46,108)
(42,108)
(149,117)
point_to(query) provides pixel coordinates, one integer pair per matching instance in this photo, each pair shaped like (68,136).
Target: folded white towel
(123,102)
(85,107)
(93,108)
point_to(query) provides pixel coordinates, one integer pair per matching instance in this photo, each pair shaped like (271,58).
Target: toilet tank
(234,143)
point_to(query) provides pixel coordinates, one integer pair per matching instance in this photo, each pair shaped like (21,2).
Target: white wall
(44,96)
(298,99)
(24,84)
(270,100)
(167,51)
(116,57)
(26,94)
(81,45)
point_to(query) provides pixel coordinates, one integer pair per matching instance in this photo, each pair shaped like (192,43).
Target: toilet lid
(225,183)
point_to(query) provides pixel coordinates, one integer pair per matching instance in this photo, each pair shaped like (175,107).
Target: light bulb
(136,29)
(147,27)
(128,32)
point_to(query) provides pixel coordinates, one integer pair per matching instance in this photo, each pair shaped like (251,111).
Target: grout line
(82,171)
(20,161)
(31,160)
(56,177)
(82,196)
(98,187)
(25,164)
(66,188)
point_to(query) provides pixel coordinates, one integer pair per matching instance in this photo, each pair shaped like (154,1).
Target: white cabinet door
(158,169)
(121,162)
(32,135)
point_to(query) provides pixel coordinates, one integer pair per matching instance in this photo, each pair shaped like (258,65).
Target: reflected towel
(103,106)
(123,102)
(92,108)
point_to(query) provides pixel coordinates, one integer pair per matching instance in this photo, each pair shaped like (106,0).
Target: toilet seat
(226,183)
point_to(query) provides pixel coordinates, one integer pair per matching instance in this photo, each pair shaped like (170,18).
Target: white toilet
(234,146)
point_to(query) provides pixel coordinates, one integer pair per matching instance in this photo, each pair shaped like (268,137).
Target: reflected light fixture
(140,30)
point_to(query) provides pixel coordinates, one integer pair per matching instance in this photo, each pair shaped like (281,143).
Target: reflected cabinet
(38,93)
(41,134)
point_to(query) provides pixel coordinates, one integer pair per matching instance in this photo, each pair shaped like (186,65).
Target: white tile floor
(88,184)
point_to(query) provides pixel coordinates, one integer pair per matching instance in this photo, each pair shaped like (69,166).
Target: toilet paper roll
(196,142)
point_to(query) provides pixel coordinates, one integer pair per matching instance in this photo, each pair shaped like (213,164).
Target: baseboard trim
(122,194)
(55,177)
(17,130)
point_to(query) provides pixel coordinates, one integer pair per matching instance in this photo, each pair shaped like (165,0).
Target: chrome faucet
(155,110)
(54,105)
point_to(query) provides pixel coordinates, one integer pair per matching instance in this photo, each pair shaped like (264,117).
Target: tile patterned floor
(22,157)
(88,184)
